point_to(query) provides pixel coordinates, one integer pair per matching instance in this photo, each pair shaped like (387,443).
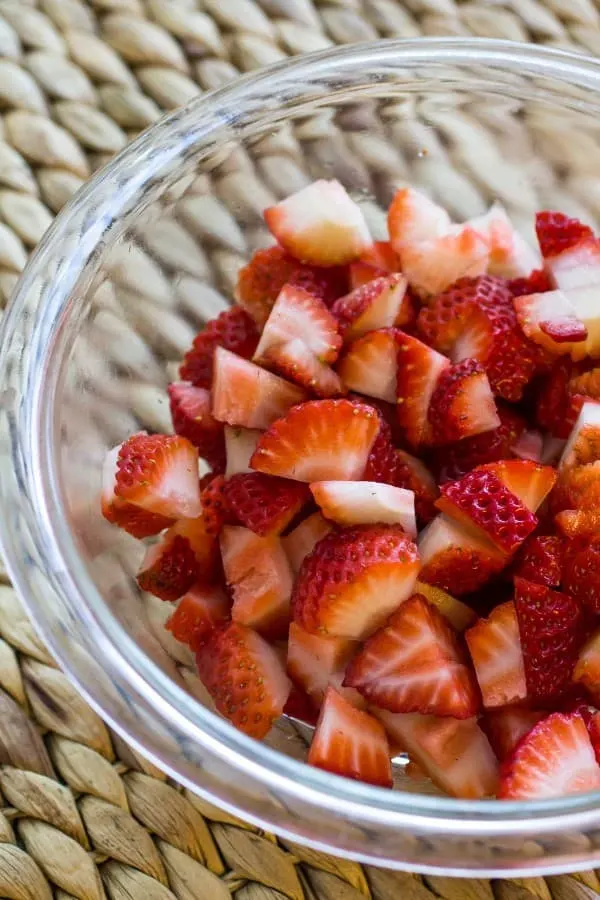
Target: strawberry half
(320,225)
(240,444)
(201,609)
(264,504)
(245,678)
(457,613)
(495,647)
(380,303)
(313,660)
(370,363)
(581,574)
(527,480)
(578,523)
(507,726)
(462,404)
(244,394)
(412,216)
(169,568)
(366,503)
(350,742)
(419,369)
(136,521)
(192,419)
(554,759)
(299,314)
(293,360)
(557,232)
(354,579)
(159,473)
(455,559)
(318,441)
(540,560)
(455,460)
(414,664)
(234,330)
(301,541)
(434,264)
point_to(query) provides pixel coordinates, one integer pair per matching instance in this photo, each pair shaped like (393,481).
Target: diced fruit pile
(391,425)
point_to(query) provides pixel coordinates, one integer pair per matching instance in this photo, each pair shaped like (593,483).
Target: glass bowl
(141,257)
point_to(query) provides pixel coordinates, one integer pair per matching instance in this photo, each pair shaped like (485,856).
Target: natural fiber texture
(84,816)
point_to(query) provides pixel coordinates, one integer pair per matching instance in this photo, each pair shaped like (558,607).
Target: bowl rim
(142,677)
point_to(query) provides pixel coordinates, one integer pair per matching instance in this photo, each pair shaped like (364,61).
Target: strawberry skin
(414,664)
(264,504)
(313,660)
(506,727)
(419,368)
(234,330)
(554,759)
(455,460)
(354,579)
(350,742)
(197,613)
(581,575)
(495,647)
(456,560)
(417,478)
(540,560)
(557,232)
(462,404)
(299,314)
(240,444)
(192,419)
(366,502)
(380,303)
(526,479)
(136,521)
(168,569)
(215,508)
(245,678)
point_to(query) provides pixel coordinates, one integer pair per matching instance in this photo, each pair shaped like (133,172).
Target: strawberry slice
(551,630)
(366,503)
(419,368)
(507,726)
(554,759)
(581,574)
(259,577)
(350,742)
(192,419)
(540,560)
(412,216)
(482,503)
(370,363)
(454,753)
(557,232)
(381,255)
(510,255)
(380,303)
(414,664)
(159,473)
(203,608)
(432,265)
(301,541)
(240,444)
(169,568)
(234,330)
(457,560)
(216,511)
(495,647)
(293,360)
(527,480)
(314,660)
(244,394)
(455,460)
(320,225)
(318,441)
(245,678)
(455,611)
(354,579)
(136,521)
(462,404)
(577,266)
(583,446)
(587,667)
(299,314)
(264,504)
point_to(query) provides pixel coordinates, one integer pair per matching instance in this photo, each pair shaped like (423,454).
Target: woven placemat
(82,815)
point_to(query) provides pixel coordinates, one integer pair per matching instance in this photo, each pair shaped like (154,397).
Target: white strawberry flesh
(365,503)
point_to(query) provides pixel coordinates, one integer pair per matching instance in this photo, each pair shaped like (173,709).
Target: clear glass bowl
(148,251)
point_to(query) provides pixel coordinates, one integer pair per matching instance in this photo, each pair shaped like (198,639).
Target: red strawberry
(412,216)
(366,503)
(169,568)
(354,579)
(455,460)
(593,727)
(197,613)
(192,419)
(462,404)
(551,629)
(245,678)
(581,574)
(240,444)
(557,232)
(264,504)
(419,368)
(505,727)
(370,363)
(301,541)
(204,545)
(583,446)
(527,480)
(136,521)
(244,394)
(299,314)
(313,660)
(259,576)
(535,283)
(417,478)
(380,303)
(381,255)
(318,441)
(299,707)
(565,331)
(540,559)
(159,473)
(320,225)
(554,759)
(414,664)
(361,273)
(215,506)
(350,742)
(495,648)
(325,282)
(587,667)
(577,488)
(234,330)
(293,360)
(457,613)
(456,560)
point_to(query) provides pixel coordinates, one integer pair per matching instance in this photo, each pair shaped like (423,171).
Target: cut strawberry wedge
(370,363)
(262,503)
(366,503)
(577,266)
(354,579)
(301,541)
(361,273)
(419,369)
(200,610)
(495,648)
(296,362)
(557,232)
(299,314)
(583,445)
(350,742)
(412,216)
(455,611)
(320,225)
(234,330)
(380,303)
(554,759)
(432,265)
(240,444)
(587,668)
(259,576)
(192,419)
(527,480)
(462,404)
(134,519)
(319,441)
(510,254)
(169,568)
(417,478)
(454,753)
(414,664)
(457,560)
(245,678)
(505,727)
(314,660)
(246,395)
(553,321)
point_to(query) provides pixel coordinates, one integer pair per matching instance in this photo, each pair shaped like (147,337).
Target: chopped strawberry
(455,460)
(577,489)
(296,362)
(370,364)
(557,232)
(320,225)
(313,660)
(535,283)
(455,559)
(527,480)
(234,330)
(301,541)
(169,568)
(192,419)
(361,273)
(131,518)
(462,404)
(419,368)
(200,610)
(587,667)
(354,579)
(417,478)
(553,400)
(506,726)
(318,441)
(205,546)
(581,574)
(299,314)
(554,759)
(576,267)
(551,629)
(366,503)
(495,648)
(244,394)
(540,560)
(159,473)
(510,255)
(578,523)
(245,678)
(434,264)
(381,255)
(455,611)
(380,303)
(350,742)
(414,664)
(548,319)
(259,576)
(264,504)
(583,446)
(240,444)
(216,510)
(299,707)
(412,216)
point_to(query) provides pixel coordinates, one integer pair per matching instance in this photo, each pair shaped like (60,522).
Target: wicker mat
(82,815)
